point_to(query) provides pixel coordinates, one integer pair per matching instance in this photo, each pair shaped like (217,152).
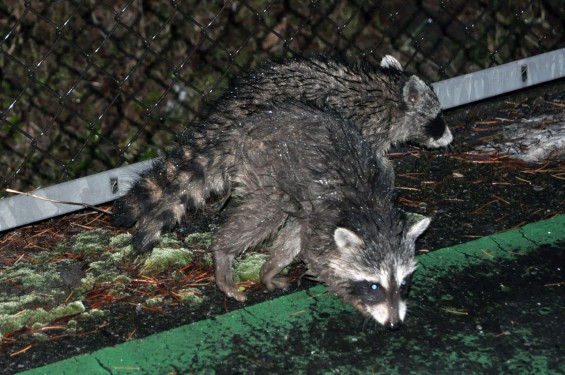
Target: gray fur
(309,179)
(386,104)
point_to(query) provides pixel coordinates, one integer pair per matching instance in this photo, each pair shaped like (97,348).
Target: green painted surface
(483,306)
(501,246)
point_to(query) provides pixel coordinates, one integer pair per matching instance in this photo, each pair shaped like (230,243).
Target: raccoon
(312,169)
(386,104)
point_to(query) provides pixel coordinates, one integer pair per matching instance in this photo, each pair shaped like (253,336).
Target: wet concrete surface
(490,316)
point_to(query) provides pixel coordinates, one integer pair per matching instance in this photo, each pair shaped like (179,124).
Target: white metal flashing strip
(501,79)
(93,190)
(106,186)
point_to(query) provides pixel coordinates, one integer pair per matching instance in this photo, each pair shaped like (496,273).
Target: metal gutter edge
(106,186)
(501,79)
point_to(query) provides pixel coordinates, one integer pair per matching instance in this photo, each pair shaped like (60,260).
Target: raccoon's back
(355,91)
(315,157)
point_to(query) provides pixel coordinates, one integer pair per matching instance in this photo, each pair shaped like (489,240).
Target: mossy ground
(66,280)
(93,268)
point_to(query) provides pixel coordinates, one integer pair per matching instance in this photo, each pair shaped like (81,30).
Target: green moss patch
(247,268)
(199,240)
(14,322)
(89,242)
(162,259)
(192,296)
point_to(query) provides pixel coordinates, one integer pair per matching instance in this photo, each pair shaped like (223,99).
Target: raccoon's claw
(143,242)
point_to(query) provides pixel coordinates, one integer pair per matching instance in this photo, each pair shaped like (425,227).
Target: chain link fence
(88,85)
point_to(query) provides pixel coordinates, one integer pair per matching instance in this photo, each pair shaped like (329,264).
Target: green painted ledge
(265,335)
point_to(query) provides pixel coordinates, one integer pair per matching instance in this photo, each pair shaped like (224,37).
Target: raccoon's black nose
(436,127)
(392,325)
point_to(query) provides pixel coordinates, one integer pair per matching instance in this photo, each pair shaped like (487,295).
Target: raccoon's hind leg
(285,248)
(247,226)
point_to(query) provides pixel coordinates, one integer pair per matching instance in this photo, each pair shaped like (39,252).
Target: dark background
(91,85)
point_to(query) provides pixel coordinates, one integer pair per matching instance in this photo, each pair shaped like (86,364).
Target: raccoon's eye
(404,287)
(369,292)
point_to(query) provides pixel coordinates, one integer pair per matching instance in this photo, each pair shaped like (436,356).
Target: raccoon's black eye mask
(370,292)
(436,127)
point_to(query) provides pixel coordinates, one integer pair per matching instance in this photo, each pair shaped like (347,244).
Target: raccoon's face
(375,279)
(382,296)
(422,121)
(423,115)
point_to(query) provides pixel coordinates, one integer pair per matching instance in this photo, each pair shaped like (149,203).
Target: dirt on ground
(469,192)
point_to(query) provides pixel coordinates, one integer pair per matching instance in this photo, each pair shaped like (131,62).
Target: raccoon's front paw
(277,283)
(232,292)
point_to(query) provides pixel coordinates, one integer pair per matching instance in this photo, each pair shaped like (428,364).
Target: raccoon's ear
(346,239)
(417,228)
(414,90)
(390,62)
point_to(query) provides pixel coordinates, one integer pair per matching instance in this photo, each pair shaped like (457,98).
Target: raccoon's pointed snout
(445,139)
(394,321)
(438,133)
(393,325)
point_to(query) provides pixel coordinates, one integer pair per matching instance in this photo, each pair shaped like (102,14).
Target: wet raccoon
(386,104)
(309,179)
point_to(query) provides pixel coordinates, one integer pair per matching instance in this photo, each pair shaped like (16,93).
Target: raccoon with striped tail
(307,179)
(385,103)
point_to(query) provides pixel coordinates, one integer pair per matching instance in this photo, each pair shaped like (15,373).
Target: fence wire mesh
(89,85)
